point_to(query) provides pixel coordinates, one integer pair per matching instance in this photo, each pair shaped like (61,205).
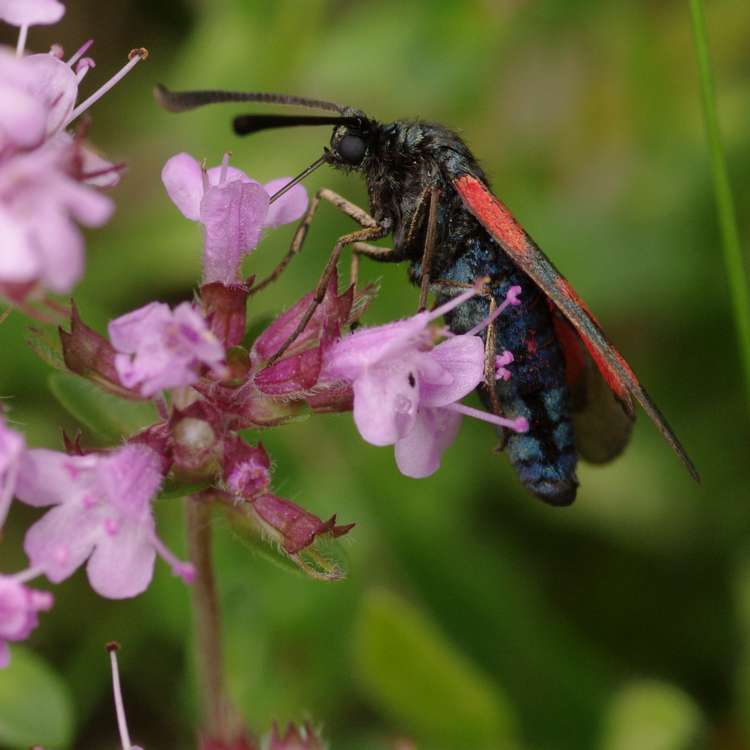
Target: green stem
(218,719)
(738,285)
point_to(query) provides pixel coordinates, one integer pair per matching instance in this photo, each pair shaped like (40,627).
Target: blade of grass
(738,284)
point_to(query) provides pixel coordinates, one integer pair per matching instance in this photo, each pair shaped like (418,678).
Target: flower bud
(90,355)
(247,468)
(292,526)
(196,440)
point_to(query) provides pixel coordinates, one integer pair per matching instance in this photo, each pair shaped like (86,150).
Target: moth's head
(353,141)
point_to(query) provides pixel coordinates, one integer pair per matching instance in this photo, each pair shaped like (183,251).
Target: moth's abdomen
(544,457)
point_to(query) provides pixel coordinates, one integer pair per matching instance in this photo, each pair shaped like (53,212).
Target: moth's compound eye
(351,149)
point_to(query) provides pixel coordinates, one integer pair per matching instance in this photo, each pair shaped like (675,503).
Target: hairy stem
(733,261)
(215,708)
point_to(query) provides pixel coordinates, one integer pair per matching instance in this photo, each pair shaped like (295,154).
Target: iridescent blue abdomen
(544,457)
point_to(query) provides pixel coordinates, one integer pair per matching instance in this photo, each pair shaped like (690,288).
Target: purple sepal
(292,375)
(296,527)
(90,355)
(225,307)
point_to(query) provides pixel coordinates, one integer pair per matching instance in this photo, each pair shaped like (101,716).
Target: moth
(427,191)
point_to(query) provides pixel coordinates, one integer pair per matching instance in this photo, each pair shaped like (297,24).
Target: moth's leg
(350,209)
(368,251)
(368,233)
(490,352)
(490,348)
(429,248)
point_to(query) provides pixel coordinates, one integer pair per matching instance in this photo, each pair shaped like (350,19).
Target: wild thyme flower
(46,174)
(101,513)
(161,348)
(407,390)
(40,208)
(19,607)
(233,209)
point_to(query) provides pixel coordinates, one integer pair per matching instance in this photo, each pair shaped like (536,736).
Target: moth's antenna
(247,124)
(180,101)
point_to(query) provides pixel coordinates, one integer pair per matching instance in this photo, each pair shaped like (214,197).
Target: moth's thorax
(405,159)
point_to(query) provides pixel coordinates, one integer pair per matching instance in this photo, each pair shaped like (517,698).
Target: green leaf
(652,715)
(47,348)
(106,415)
(323,560)
(418,678)
(35,706)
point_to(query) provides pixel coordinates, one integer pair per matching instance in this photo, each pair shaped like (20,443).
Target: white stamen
(136,56)
(511,298)
(519,424)
(21,44)
(452,304)
(83,67)
(184,570)
(224,166)
(80,52)
(122,723)
(28,574)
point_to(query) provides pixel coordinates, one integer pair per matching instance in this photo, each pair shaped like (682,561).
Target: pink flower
(12,446)
(101,513)
(40,207)
(233,209)
(19,606)
(406,390)
(162,348)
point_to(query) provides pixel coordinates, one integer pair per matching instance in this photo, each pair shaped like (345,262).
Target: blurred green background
(473,617)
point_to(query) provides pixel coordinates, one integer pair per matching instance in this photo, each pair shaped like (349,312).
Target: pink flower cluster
(48,177)
(403,381)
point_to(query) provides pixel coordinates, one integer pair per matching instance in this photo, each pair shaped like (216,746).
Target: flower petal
(418,453)
(49,477)
(55,85)
(127,331)
(18,261)
(183,178)
(122,563)
(233,215)
(61,540)
(385,402)
(463,358)
(31,12)
(290,207)
(366,347)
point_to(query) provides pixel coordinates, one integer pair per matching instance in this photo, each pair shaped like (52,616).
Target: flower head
(233,209)
(406,389)
(12,446)
(161,348)
(19,606)
(101,512)
(40,208)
